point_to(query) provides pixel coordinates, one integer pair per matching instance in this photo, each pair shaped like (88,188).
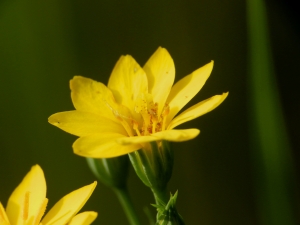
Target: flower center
(152,122)
(148,123)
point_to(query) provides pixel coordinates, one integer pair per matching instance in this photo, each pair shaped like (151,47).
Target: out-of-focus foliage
(274,167)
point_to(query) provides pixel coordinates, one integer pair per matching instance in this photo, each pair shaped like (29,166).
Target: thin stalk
(161,196)
(126,203)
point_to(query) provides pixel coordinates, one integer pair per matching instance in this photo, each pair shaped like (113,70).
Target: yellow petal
(94,97)
(102,146)
(27,199)
(127,81)
(68,206)
(85,218)
(136,140)
(3,217)
(84,123)
(168,135)
(160,72)
(198,110)
(177,135)
(185,89)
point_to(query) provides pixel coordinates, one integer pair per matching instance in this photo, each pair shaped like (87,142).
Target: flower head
(138,105)
(27,204)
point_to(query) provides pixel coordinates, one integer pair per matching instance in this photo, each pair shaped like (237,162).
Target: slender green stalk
(161,196)
(149,216)
(270,145)
(125,201)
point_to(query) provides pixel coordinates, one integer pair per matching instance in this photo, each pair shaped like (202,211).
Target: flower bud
(111,171)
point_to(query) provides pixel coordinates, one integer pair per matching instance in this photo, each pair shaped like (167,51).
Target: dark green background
(43,44)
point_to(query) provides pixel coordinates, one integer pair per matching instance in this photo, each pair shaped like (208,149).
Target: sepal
(154,164)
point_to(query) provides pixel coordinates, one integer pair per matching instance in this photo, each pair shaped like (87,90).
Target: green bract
(167,214)
(153,164)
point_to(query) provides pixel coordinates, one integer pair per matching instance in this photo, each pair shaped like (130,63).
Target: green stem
(160,196)
(125,201)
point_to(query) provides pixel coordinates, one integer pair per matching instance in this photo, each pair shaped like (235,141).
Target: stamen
(41,212)
(146,119)
(154,123)
(136,128)
(164,114)
(141,108)
(26,206)
(121,118)
(126,126)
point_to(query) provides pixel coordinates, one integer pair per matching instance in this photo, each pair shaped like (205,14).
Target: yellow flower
(27,204)
(138,105)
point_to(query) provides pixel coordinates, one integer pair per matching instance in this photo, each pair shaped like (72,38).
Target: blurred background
(43,44)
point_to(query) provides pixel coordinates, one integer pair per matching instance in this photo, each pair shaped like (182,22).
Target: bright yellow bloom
(138,105)
(27,204)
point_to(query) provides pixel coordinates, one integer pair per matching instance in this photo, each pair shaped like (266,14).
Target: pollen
(152,122)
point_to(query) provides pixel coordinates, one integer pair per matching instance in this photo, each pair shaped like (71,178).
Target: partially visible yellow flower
(27,204)
(138,105)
